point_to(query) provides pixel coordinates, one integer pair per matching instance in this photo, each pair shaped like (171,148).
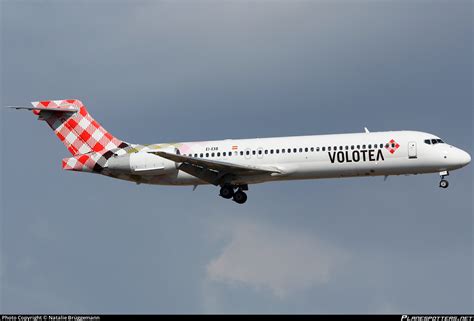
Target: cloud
(266,256)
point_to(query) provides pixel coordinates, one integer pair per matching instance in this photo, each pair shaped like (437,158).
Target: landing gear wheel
(227,191)
(240,197)
(444,183)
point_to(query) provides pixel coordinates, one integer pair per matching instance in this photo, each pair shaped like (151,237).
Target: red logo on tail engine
(392,146)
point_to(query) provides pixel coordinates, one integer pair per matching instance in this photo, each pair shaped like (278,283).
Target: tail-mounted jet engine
(144,163)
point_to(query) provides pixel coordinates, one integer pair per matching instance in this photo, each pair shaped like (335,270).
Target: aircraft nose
(464,158)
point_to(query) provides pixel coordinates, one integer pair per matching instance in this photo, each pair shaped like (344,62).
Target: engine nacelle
(143,163)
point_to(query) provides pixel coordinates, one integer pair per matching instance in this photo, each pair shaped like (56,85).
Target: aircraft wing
(213,171)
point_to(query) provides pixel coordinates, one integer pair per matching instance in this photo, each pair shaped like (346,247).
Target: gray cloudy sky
(159,71)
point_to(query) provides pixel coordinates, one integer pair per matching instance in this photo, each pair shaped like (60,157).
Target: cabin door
(412,150)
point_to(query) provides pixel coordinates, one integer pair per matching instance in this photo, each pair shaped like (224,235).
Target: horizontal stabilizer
(67,109)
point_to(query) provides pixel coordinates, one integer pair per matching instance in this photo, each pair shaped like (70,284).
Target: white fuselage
(309,157)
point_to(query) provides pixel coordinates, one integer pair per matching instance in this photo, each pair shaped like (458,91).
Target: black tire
(240,197)
(227,192)
(444,183)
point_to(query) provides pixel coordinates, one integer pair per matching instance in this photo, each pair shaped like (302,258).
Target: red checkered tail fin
(75,127)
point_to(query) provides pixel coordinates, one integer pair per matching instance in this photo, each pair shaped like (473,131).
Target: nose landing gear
(443,183)
(239,196)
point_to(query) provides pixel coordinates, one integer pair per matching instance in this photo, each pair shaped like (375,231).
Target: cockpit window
(433,141)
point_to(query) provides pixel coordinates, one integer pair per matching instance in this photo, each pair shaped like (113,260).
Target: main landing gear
(238,196)
(443,183)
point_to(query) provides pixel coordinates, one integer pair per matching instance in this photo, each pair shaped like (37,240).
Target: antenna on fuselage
(366,130)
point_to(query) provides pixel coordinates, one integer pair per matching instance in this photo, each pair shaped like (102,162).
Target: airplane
(234,164)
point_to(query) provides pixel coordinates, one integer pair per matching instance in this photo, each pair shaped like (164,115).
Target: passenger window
(207,154)
(347,147)
(247,153)
(352,147)
(241,153)
(358,146)
(370,146)
(253,152)
(266,151)
(218,154)
(312,149)
(260,152)
(381,145)
(341,148)
(324,149)
(363,146)
(271,151)
(306,149)
(294,150)
(329,148)
(317,149)
(282,150)
(201,155)
(212,154)
(289,150)
(277,151)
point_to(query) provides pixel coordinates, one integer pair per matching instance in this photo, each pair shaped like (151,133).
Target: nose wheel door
(412,150)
